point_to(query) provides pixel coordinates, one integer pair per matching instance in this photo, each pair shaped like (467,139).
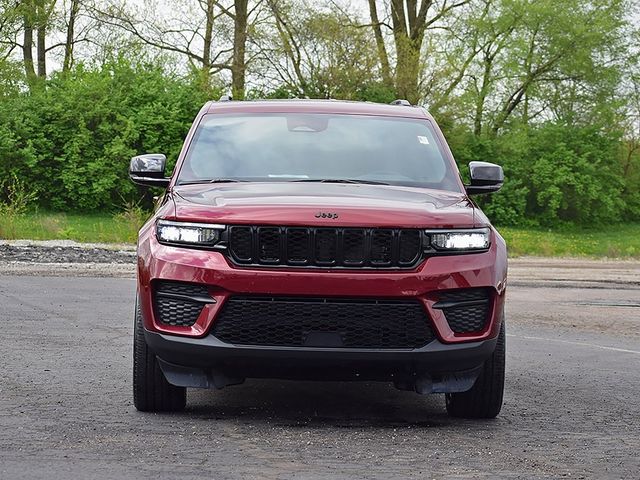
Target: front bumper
(191,356)
(435,274)
(209,363)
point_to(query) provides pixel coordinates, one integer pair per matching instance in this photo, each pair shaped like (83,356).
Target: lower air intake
(322,322)
(466,310)
(179,304)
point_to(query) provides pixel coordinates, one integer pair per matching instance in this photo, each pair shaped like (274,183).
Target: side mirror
(149,170)
(485,178)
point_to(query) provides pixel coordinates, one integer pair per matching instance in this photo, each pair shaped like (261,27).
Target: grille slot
(242,241)
(381,245)
(269,245)
(409,248)
(343,323)
(180,304)
(298,245)
(466,310)
(325,247)
(353,243)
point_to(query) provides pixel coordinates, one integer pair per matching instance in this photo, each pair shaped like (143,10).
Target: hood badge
(327,215)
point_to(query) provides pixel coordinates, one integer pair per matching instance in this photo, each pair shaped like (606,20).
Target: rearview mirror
(148,170)
(485,178)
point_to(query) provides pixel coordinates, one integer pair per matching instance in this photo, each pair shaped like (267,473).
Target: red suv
(306,239)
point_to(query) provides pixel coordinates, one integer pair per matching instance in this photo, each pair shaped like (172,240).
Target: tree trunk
(41,38)
(408,69)
(206,48)
(382,49)
(482,96)
(27,51)
(238,64)
(42,53)
(68,46)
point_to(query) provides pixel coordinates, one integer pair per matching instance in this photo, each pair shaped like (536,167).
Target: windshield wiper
(340,180)
(211,180)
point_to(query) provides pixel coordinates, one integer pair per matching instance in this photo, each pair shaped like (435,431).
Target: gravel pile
(60,254)
(66,258)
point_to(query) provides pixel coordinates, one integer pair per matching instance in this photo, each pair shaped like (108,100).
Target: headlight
(205,234)
(459,240)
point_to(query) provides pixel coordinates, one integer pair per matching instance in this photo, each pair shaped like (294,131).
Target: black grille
(177,312)
(319,322)
(466,310)
(325,247)
(180,304)
(179,288)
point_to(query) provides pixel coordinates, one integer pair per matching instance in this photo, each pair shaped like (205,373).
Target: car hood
(322,204)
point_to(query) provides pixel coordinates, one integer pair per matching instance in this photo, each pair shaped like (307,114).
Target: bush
(554,174)
(72,140)
(17,199)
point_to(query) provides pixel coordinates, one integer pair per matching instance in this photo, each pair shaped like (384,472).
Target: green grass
(615,241)
(102,228)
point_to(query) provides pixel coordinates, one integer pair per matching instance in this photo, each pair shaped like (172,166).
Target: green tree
(321,54)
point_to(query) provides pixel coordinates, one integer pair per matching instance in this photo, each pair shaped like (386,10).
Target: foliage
(18,198)
(554,174)
(73,140)
(132,214)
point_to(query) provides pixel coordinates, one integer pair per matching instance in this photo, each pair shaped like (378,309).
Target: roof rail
(401,101)
(225,98)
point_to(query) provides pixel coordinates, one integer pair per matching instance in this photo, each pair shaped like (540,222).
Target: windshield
(317,147)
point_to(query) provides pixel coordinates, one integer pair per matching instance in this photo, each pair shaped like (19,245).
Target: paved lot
(572,405)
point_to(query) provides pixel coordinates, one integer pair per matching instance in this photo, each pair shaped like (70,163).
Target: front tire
(151,391)
(484,399)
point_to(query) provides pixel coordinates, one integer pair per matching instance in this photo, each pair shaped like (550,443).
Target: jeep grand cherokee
(331,240)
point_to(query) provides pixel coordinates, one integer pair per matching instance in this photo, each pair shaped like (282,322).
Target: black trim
(482,189)
(211,358)
(323,322)
(150,181)
(324,247)
(459,304)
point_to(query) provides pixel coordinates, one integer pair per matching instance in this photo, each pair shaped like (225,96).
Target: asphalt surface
(572,401)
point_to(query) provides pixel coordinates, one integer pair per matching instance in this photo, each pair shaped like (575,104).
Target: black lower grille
(319,322)
(179,304)
(177,312)
(325,247)
(466,310)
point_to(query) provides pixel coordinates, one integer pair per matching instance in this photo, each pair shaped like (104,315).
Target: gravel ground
(66,252)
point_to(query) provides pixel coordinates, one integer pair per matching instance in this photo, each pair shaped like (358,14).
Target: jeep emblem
(326,215)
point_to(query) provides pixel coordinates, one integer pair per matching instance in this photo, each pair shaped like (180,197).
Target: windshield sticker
(423,140)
